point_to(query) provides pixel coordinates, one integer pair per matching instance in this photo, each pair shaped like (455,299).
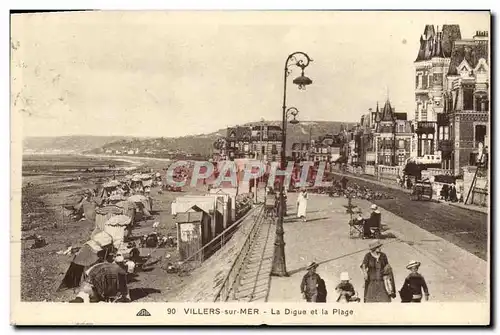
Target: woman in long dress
(379,279)
(302,205)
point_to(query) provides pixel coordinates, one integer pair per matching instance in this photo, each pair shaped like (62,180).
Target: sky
(170,74)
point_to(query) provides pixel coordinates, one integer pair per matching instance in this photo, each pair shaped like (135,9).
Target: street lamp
(301,60)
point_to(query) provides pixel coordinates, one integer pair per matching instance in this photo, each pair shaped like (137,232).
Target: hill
(66,144)
(202,145)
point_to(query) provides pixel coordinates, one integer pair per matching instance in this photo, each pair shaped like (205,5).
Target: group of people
(405,182)
(379,284)
(449,193)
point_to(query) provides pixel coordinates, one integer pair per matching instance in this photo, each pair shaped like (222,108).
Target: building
(266,142)
(431,68)
(465,129)
(258,142)
(451,95)
(301,151)
(238,142)
(392,136)
(323,149)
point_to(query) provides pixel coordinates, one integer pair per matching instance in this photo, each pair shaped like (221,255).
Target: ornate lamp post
(301,60)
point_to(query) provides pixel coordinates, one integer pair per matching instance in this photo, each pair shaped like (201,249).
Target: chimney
(481,36)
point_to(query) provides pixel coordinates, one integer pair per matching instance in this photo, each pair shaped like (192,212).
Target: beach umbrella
(116,197)
(119,220)
(111,184)
(137,198)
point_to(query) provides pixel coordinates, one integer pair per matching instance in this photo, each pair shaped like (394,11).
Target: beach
(52,181)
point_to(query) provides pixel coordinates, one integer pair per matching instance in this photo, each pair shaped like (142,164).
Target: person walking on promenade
(379,279)
(302,205)
(414,284)
(310,285)
(343,182)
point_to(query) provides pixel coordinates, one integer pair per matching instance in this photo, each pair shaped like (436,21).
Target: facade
(257,142)
(431,68)
(467,103)
(392,136)
(451,96)
(323,149)
(266,143)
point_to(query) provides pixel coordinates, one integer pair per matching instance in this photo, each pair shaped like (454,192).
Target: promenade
(452,274)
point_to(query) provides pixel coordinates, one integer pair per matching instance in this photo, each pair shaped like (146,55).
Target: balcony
(426,127)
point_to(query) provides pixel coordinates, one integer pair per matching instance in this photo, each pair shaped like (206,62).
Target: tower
(431,67)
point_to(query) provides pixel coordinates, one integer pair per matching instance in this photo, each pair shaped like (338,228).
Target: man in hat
(310,283)
(374,221)
(414,284)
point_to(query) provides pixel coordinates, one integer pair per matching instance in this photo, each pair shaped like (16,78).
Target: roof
(438,44)
(401,116)
(387,112)
(471,51)
(240,132)
(451,33)
(377,114)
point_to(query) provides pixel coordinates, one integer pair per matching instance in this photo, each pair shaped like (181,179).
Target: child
(414,285)
(345,289)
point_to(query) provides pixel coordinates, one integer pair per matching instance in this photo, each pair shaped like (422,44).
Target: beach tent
(143,202)
(85,258)
(115,227)
(105,213)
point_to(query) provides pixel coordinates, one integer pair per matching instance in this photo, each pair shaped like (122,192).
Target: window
(401,144)
(468,99)
(446,135)
(263,149)
(482,104)
(441,133)
(479,134)
(401,128)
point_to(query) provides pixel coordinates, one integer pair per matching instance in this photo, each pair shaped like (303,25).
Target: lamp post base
(279,263)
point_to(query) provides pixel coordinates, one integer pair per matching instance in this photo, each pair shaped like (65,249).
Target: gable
(482,66)
(464,68)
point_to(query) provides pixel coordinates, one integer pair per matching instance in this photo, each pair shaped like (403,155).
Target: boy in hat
(310,283)
(414,284)
(345,289)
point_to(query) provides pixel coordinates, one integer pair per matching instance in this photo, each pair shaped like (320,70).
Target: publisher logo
(143,312)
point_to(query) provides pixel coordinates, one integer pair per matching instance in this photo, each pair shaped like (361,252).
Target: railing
(234,273)
(437,172)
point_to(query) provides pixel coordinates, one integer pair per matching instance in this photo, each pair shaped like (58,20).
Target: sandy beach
(43,269)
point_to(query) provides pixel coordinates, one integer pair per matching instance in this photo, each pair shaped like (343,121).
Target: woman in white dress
(302,205)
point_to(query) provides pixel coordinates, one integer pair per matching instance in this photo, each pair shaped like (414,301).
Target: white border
(184,4)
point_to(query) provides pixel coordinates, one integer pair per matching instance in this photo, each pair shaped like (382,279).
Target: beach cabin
(212,219)
(229,195)
(190,235)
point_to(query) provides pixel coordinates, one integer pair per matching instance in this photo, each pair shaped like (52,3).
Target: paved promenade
(452,274)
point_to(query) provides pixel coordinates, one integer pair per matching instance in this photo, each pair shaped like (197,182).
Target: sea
(67,164)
